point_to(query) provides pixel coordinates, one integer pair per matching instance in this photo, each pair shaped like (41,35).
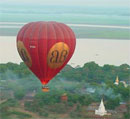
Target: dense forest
(82,85)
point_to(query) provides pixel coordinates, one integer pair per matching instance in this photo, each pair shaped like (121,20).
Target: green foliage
(78,108)
(81,99)
(59,108)
(21,115)
(124,91)
(75,114)
(10,103)
(112,103)
(92,72)
(19,94)
(47,98)
(18,115)
(127,114)
(73,81)
(45,114)
(5,106)
(11,70)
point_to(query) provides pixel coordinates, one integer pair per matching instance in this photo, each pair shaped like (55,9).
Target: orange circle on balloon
(57,55)
(24,53)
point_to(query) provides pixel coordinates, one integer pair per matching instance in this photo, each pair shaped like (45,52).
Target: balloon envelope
(45,47)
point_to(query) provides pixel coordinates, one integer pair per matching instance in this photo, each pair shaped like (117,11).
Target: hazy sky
(70,2)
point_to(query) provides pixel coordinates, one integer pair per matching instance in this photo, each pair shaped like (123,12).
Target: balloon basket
(45,89)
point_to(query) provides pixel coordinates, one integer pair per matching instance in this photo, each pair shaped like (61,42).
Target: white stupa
(101,110)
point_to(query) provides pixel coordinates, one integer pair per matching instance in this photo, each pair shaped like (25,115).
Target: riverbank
(102,51)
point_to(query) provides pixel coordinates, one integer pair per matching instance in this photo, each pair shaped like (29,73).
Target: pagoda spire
(117,81)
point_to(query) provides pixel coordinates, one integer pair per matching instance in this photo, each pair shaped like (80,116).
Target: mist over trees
(90,72)
(83,85)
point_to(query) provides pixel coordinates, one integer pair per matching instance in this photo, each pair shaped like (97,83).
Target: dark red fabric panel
(34,38)
(43,50)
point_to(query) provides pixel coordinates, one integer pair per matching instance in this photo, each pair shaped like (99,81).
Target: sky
(113,52)
(69,2)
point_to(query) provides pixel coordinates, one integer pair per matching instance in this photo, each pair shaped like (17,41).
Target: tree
(112,103)
(19,94)
(127,114)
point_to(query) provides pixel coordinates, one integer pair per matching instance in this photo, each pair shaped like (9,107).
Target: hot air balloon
(45,47)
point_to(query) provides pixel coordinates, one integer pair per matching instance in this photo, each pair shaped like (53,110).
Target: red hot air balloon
(45,47)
